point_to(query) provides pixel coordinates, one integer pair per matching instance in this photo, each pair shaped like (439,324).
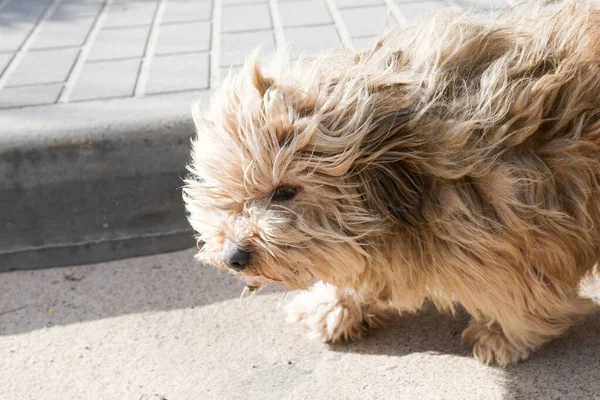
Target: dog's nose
(235,256)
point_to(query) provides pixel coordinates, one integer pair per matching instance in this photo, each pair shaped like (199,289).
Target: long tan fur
(457,162)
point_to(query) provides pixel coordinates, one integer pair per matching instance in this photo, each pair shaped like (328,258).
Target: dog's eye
(285,192)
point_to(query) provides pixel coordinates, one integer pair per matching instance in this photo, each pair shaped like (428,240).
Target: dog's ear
(260,82)
(391,185)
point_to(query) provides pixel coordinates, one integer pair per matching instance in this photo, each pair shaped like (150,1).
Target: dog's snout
(235,256)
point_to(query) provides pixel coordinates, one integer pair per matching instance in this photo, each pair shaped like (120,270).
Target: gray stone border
(92,181)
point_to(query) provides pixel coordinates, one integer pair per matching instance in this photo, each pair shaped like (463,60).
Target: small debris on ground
(12,310)
(71,276)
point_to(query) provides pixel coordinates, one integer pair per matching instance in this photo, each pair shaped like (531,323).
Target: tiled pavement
(62,51)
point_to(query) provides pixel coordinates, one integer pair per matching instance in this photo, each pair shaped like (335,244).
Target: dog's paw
(491,346)
(325,315)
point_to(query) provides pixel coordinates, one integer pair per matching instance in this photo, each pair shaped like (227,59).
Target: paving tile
(299,13)
(245,18)
(44,66)
(187,10)
(17,20)
(106,79)
(55,33)
(364,43)
(183,37)
(366,21)
(484,15)
(4,60)
(131,43)
(487,4)
(29,95)
(410,11)
(12,35)
(235,47)
(178,72)
(227,3)
(224,72)
(127,13)
(69,10)
(302,40)
(357,3)
(23,11)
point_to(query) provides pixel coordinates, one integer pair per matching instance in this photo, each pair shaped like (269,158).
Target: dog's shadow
(567,368)
(425,331)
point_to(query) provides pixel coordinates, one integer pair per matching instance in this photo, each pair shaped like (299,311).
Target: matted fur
(458,161)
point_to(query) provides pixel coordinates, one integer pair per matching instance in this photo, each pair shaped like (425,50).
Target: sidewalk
(56,52)
(160,328)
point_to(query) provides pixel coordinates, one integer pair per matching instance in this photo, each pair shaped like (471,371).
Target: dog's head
(295,175)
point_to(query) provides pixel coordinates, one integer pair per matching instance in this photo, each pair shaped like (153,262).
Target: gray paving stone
(235,47)
(68,10)
(187,10)
(227,3)
(178,72)
(224,72)
(485,15)
(410,11)
(183,38)
(44,66)
(113,44)
(29,95)
(364,43)
(357,3)
(483,4)
(4,60)
(245,18)
(126,13)
(301,13)
(367,21)
(54,33)
(310,40)
(17,20)
(13,35)
(23,11)
(106,79)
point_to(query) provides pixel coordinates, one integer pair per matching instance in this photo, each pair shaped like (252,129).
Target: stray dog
(457,161)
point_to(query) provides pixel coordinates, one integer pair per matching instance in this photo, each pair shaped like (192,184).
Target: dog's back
(510,110)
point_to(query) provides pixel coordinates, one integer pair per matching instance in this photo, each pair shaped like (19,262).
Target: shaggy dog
(458,162)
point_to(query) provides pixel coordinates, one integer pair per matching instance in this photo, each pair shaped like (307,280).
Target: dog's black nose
(235,256)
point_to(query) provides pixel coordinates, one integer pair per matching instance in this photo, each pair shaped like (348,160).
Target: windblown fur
(457,162)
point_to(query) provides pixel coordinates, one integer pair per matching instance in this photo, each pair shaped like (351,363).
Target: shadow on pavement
(31,300)
(567,368)
(427,331)
(21,14)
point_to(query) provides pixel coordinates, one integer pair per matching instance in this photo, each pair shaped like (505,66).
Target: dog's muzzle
(235,256)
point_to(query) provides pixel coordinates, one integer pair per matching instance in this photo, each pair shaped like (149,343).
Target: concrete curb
(93,181)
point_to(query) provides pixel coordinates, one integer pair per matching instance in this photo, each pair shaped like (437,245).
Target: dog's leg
(331,314)
(513,333)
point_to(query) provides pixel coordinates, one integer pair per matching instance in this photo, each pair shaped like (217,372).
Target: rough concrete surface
(161,327)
